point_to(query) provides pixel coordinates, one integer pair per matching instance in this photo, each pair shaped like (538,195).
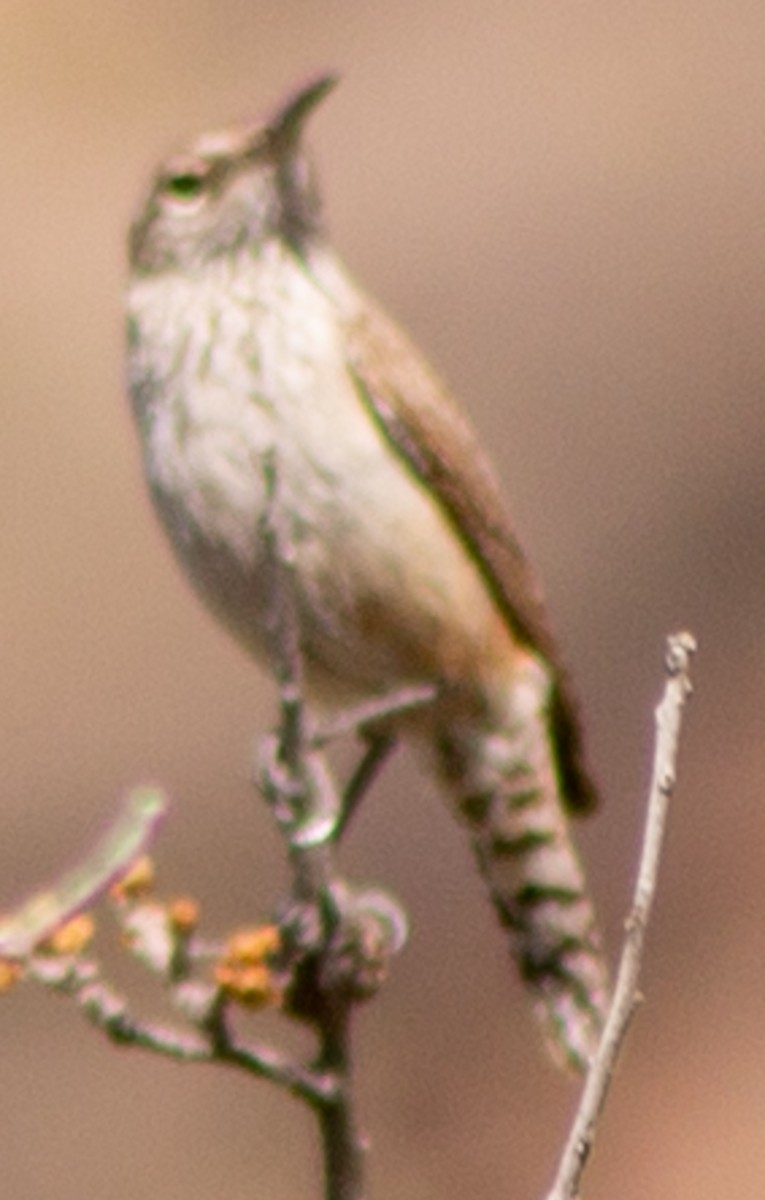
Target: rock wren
(249,341)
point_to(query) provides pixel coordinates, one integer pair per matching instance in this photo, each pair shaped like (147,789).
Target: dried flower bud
(183,913)
(149,935)
(252,985)
(372,928)
(71,938)
(243,973)
(252,945)
(10,973)
(137,882)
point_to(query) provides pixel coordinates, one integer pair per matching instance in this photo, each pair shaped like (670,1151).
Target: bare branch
(107,1010)
(129,836)
(371,714)
(376,752)
(680,648)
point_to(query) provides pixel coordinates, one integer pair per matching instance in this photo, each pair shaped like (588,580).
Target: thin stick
(680,647)
(374,713)
(377,750)
(342,1144)
(128,837)
(107,1010)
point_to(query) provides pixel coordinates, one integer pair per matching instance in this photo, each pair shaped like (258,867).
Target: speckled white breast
(221,373)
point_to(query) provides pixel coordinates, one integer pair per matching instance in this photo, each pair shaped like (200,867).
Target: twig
(108,1011)
(373,721)
(342,1145)
(378,747)
(371,714)
(680,648)
(128,837)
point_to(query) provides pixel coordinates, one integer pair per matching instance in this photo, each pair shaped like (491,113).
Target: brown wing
(434,439)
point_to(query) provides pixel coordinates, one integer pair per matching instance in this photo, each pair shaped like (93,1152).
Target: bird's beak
(285,124)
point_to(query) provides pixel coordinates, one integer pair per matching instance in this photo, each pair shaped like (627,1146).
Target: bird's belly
(384,590)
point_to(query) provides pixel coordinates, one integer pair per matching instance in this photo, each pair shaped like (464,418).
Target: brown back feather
(422,423)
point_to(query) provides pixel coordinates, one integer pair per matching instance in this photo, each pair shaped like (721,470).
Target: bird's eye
(186,185)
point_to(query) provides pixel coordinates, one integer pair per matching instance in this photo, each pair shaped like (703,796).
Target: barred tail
(506,788)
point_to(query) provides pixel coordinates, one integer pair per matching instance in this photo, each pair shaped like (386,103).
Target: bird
(249,343)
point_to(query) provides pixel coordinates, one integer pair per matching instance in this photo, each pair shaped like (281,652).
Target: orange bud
(183,913)
(252,986)
(136,882)
(252,945)
(10,973)
(72,937)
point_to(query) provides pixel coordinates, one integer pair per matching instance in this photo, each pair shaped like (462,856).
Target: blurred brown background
(564,202)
